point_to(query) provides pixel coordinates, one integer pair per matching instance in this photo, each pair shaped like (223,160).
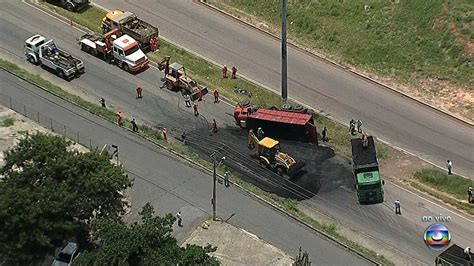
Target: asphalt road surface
(172,184)
(385,114)
(160,107)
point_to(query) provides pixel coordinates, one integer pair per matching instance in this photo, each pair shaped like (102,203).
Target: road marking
(413,193)
(259,84)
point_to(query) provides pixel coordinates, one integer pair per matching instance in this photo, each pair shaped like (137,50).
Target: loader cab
(268,148)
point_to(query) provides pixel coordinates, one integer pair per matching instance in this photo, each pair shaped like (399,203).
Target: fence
(34,113)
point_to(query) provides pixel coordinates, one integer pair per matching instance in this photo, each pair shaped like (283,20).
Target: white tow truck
(39,51)
(121,50)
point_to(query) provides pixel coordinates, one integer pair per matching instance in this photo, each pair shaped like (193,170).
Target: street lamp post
(216,164)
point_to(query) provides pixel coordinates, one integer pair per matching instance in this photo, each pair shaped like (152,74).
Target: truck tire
(280,171)
(125,67)
(69,7)
(60,73)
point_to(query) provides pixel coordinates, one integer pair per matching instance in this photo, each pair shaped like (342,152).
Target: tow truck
(113,47)
(40,51)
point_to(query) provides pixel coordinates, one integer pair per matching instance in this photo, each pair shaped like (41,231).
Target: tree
(50,192)
(146,243)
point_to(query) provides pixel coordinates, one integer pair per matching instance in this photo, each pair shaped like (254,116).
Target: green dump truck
(368,182)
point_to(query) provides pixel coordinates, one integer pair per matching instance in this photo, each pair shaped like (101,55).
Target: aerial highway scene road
(329,190)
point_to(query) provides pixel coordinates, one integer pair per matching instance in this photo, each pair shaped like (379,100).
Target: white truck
(39,51)
(123,51)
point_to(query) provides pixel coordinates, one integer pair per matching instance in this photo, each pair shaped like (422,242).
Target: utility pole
(214,177)
(284,61)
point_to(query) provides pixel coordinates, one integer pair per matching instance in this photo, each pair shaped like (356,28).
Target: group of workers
(225,71)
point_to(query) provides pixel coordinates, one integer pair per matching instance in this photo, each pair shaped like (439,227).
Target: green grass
(8,122)
(288,205)
(454,185)
(409,40)
(90,17)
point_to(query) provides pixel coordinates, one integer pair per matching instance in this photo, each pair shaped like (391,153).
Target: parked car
(66,255)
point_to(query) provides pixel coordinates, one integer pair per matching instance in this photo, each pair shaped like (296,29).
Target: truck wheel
(280,171)
(69,7)
(31,59)
(60,73)
(125,67)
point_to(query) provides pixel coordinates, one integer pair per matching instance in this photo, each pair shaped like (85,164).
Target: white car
(67,255)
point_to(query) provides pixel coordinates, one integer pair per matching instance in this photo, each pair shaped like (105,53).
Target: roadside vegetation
(8,122)
(426,44)
(449,188)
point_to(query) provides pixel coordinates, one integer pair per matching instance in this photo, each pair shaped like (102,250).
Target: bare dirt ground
(237,246)
(454,99)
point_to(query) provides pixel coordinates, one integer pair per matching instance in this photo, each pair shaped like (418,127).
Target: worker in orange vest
(119,118)
(214,126)
(224,72)
(216,96)
(139,92)
(234,72)
(195,108)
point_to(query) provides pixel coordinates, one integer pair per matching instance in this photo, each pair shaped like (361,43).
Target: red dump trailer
(277,123)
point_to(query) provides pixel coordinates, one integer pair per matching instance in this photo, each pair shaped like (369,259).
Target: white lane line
(215,63)
(444,208)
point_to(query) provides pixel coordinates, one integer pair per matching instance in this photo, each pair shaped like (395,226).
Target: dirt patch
(237,246)
(401,166)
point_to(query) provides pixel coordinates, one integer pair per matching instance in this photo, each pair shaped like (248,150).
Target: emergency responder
(214,126)
(234,72)
(118,115)
(352,126)
(365,141)
(359,126)
(187,100)
(139,92)
(195,108)
(224,72)
(216,96)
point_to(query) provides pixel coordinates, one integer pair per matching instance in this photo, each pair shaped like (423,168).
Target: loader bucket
(296,168)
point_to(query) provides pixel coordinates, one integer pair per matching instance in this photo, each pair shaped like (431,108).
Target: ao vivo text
(436,218)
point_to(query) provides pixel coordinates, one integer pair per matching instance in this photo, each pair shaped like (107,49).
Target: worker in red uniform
(365,141)
(139,92)
(165,134)
(216,96)
(234,72)
(224,72)
(198,94)
(118,115)
(195,108)
(214,126)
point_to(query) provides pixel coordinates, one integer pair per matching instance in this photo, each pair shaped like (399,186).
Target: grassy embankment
(8,122)
(406,40)
(449,188)
(154,135)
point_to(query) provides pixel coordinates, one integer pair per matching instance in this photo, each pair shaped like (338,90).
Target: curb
(332,62)
(270,204)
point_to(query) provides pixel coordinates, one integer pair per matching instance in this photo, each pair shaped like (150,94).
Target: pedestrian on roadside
(139,92)
(351,126)
(234,72)
(260,133)
(165,134)
(449,164)
(180,220)
(470,195)
(359,126)
(226,178)
(214,126)
(187,100)
(397,207)
(134,125)
(224,72)
(183,137)
(325,134)
(102,102)
(216,96)
(118,116)
(195,108)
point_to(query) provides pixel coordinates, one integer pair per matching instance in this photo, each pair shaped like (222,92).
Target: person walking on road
(139,92)
(195,108)
(134,125)
(187,100)
(118,116)
(224,72)
(359,126)
(102,102)
(216,96)
(449,165)
(397,207)
(214,126)
(324,134)
(180,220)
(234,72)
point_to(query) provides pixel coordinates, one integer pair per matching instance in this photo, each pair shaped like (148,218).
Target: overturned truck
(284,124)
